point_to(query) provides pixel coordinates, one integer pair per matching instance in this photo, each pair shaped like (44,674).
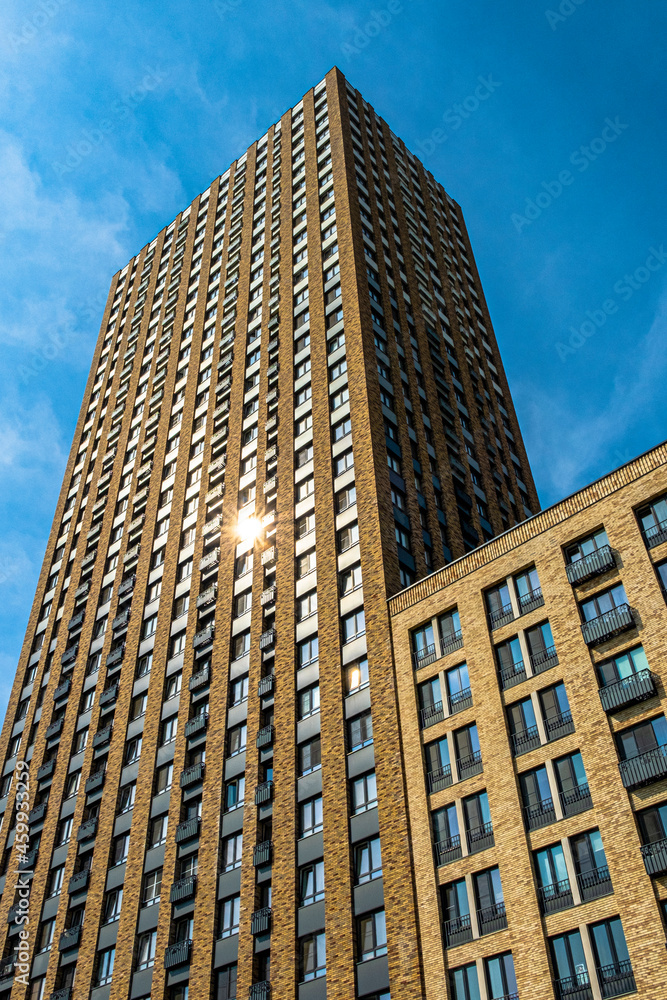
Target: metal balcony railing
(469,765)
(450,642)
(102,736)
(79,882)
(526,740)
(46,769)
(458,930)
(574,987)
(422,657)
(501,616)
(54,729)
(644,768)
(432,714)
(196,725)
(655,857)
(448,850)
(191,775)
(177,954)
(439,778)
(70,938)
(263,792)
(460,700)
(628,691)
(37,813)
(260,991)
(266,685)
(656,535)
(62,690)
(615,980)
(261,854)
(187,830)
(559,725)
(576,800)
(199,679)
(544,660)
(557,896)
(606,626)
(479,838)
(511,674)
(595,563)
(95,782)
(264,737)
(594,883)
(260,921)
(183,889)
(540,814)
(533,599)
(87,830)
(492,918)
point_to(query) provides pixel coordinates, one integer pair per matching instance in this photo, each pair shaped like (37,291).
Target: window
(342,429)
(309,701)
(311,816)
(230,913)
(305,488)
(489,901)
(511,667)
(621,667)
(241,645)
(120,848)
(239,690)
(479,829)
(243,565)
(359,731)
(169,730)
(232,848)
(306,606)
(144,665)
(64,831)
(311,883)
(157,834)
(164,779)
(537,798)
(226,984)
(303,425)
(430,702)
(463,983)
(105,965)
(523,726)
(151,888)
(500,978)
(653,521)
(602,603)
(364,793)
(590,863)
(178,643)
(541,647)
(56,878)
(80,741)
(173,685)
(371,935)
(305,564)
(236,739)
(499,605)
(402,538)
(611,955)
(438,767)
(357,676)
(146,950)
(575,795)
(133,750)
(307,651)
(112,906)
(353,625)
(149,626)
(312,957)
(310,756)
(344,462)
(126,798)
(235,793)
(587,545)
(181,605)
(347,537)
(185,569)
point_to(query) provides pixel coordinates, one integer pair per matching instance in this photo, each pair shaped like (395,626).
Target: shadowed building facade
(295,410)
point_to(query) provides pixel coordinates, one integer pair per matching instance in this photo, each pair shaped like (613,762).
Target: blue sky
(546,122)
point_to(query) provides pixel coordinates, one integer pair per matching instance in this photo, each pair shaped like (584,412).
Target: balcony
(576,800)
(644,768)
(116,655)
(127,586)
(27,862)
(628,691)
(528,602)
(37,813)
(540,814)
(555,897)
(260,921)
(209,561)
(187,830)
(479,838)
(448,850)
(525,741)
(260,991)
(79,882)
(177,954)
(267,639)
(46,769)
(544,660)
(199,679)
(432,714)
(204,637)
(264,737)
(196,725)
(263,793)
(70,938)
(558,726)
(76,621)
(87,830)
(424,656)
(439,778)
(95,781)
(268,596)
(192,775)
(511,674)
(54,729)
(501,616)
(207,596)
(594,564)
(608,625)
(109,696)
(457,931)
(266,685)
(261,854)
(656,535)
(448,643)
(102,736)
(62,690)
(460,700)
(655,857)
(595,883)
(492,918)
(574,987)
(63,994)
(470,765)
(183,889)
(615,980)
(7,966)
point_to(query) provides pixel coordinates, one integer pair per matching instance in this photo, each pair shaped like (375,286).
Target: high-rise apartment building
(296,409)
